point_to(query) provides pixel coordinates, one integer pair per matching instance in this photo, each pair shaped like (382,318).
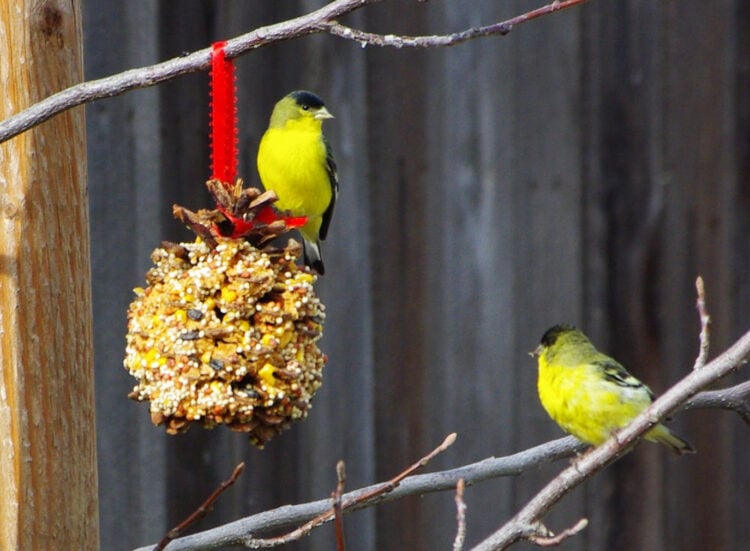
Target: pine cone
(226,330)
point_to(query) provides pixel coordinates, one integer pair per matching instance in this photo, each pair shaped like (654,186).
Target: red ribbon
(224,140)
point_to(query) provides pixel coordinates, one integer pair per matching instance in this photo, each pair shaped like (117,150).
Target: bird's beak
(323,113)
(536,352)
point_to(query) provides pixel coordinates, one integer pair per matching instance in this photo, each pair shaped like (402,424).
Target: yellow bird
(295,161)
(589,394)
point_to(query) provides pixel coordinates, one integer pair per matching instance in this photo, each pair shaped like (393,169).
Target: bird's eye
(305,107)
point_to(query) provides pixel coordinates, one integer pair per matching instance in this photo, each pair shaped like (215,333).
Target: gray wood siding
(583,169)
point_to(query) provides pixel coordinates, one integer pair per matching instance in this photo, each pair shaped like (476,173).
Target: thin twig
(201,511)
(458,542)
(705,319)
(235,533)
(378,491)
(338,520)
(552,541)
(736,398)
(357,501)
(322,20)
(439,41)
(617,446)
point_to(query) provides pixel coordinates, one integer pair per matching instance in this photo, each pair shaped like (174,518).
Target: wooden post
(48,479)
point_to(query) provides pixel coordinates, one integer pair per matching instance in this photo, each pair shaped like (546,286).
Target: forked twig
(735,398)
(201,511)
(353,503)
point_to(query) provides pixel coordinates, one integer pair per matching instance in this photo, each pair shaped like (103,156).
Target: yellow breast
(292,162)
(584,404)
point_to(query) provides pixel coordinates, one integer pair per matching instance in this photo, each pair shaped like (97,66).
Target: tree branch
(201,511)
(458,541)
(736,398)
(293,515)
(554,540)
(346,503)
(338,513)
(322,20)
(705,334)
(619,444)
(438,41)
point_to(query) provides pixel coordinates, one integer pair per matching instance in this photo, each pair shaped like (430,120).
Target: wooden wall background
(583,169)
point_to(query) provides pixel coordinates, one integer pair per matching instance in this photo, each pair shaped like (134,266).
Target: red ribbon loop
(223,121)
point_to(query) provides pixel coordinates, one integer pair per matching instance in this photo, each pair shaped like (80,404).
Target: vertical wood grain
(47,432)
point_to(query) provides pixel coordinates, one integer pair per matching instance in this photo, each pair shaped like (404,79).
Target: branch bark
(322,20)
(622,442)
(439,41)
(293,515)
(736,398)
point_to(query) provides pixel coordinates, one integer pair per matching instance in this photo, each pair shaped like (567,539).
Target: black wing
(615,373)
(334,179)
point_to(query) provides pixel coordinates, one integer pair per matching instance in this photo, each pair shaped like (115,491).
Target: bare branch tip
(700,287)
(554,540)
(449,440)
(705,321)
(238,470)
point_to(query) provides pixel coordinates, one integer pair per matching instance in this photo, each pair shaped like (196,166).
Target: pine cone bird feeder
(225,332)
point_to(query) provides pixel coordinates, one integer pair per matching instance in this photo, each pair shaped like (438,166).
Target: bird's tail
(312,255)
(663,435)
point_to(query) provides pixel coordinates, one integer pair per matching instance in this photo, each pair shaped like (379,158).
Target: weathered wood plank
(48,487)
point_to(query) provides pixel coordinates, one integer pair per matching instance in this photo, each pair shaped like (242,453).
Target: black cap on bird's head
(563,336)
(553,333)
(296,106)
(307,99)
(551,336)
